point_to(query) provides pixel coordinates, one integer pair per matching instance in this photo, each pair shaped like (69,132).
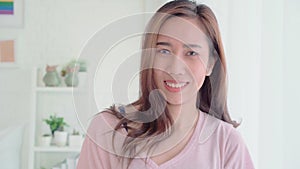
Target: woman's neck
(185,119)
(184,115)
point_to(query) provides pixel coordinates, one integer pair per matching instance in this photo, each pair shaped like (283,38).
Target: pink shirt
(214,145)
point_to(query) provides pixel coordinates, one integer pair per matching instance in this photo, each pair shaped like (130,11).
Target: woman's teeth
(176,85)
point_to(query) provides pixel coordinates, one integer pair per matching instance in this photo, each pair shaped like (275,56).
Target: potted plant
(45,140)
(75,139)
(57,125)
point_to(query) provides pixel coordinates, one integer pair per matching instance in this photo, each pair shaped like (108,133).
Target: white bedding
(10,147)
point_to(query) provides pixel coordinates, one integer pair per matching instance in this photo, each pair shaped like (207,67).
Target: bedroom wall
(291,82)
(53,33)
(270,116)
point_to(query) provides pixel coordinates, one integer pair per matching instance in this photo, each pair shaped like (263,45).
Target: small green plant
(46,135)
(75,132)
(56,123)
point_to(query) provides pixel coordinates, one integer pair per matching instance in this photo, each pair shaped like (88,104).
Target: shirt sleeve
(236,153)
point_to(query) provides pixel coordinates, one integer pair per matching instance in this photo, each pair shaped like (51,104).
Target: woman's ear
(211,63)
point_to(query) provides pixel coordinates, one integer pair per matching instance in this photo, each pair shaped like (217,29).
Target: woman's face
(181,61)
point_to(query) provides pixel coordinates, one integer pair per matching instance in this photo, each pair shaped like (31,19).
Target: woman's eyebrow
(185,45)
(163,44)
(192,46)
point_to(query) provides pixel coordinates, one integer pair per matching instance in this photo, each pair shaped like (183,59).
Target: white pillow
(10,147)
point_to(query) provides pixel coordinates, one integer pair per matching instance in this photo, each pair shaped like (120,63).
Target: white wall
(260,39)
(243,56)
(263,78)
(271,112)
(53,33)
(290,85)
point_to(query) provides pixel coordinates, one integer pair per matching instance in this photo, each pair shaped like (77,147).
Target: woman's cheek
(157,74)
(198,73)
(160,64)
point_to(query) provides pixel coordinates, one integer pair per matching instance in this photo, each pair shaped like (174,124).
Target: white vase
(75,140)
(45,140)
(60,138)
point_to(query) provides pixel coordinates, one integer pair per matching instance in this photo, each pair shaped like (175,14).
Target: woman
(181,119)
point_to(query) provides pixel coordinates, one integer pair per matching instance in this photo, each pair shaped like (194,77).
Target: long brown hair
(212,96)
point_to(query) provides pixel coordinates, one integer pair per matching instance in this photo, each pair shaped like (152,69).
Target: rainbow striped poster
(6,7)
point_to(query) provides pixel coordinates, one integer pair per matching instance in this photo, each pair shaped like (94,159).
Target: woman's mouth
(174,86)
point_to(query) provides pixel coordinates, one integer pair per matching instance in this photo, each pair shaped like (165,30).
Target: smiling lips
(175,86)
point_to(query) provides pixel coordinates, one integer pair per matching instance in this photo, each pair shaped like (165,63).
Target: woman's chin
(176,101)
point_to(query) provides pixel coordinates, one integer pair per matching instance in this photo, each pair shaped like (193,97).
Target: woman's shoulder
(108,119)
(218,129)
(101,122)
(103,133)
(230,142)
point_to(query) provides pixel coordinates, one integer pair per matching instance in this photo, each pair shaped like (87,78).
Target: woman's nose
(176,66)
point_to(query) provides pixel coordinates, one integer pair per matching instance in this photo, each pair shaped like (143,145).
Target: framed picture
(11,13)
(8,53)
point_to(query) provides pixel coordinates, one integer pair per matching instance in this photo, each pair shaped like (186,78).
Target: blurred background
(261,46)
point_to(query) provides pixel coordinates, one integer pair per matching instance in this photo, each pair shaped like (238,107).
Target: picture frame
(8,53)
(11,13)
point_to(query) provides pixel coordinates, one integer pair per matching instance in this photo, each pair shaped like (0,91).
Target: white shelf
(58,89)
(55,89)
(52,99)
(57,149)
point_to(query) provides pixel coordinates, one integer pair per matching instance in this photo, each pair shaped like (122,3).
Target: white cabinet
(66,102)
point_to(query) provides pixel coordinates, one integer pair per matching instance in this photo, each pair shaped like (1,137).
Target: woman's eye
(164,51)
(192,53)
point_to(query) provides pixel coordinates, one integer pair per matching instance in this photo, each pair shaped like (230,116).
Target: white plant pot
(45,140)
(60,138)
(75,140)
